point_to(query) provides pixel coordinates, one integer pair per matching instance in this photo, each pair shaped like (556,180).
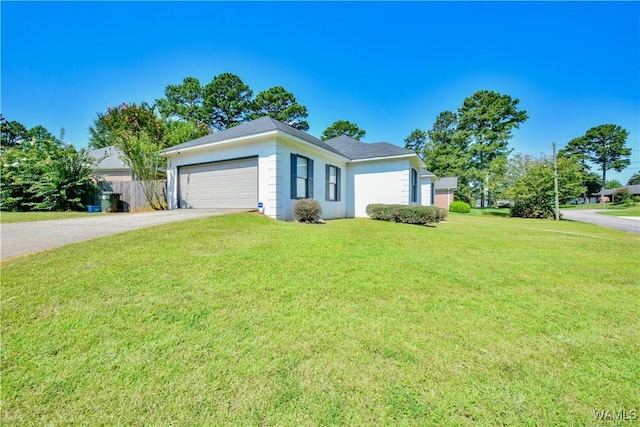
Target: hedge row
(421,215)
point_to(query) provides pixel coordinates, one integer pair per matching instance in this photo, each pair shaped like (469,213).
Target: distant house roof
(109,158)
(356,150)
(447,182)
(633,189)
(254,127)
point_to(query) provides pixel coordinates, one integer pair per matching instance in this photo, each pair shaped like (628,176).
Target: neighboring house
(110,166)
(445,189)
(268,165)
(609,195)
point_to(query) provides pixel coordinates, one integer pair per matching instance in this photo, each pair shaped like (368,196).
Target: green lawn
(7,217)
(242,320)
(631,211)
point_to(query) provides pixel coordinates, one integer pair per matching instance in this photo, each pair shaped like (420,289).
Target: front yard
(242,320)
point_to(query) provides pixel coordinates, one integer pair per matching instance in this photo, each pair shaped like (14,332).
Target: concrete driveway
(23,238)
(630,224)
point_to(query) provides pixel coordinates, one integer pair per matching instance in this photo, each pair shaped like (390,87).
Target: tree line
(472,144)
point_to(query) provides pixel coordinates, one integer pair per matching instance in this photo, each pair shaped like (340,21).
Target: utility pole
(555,182)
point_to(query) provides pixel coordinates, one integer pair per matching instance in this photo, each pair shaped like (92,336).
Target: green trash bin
(109,202)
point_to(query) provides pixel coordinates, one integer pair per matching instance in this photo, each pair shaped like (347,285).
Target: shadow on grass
(496,213)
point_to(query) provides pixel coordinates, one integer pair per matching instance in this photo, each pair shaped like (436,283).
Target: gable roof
(633,189)
(447,182)
(109,158)
(254,127)
(357,150)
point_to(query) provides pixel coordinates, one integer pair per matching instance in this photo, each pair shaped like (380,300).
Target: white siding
(378,181)
(274,165)
(264,149)
(320,158)
(426,188)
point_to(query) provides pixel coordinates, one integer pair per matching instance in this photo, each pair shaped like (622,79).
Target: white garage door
(226,185)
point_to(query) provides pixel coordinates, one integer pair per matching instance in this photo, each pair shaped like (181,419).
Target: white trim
(382,158)
(222,142)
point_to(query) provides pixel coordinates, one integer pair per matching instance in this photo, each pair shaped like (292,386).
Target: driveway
(23,238)
(630,224)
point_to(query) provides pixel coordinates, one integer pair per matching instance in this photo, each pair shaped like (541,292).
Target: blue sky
(390,67)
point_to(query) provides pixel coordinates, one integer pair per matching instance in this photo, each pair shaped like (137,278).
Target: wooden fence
(132,197)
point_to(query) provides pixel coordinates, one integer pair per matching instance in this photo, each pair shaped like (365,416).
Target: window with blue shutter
(414,185)
(332,184)
(301,177)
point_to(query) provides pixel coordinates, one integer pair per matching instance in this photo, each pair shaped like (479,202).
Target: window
(414,185)
(301,177)
(332,183)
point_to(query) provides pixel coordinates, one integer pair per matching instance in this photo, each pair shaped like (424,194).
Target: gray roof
(447,182)
(254,127)
(109,158)
(633,189)
(356,150)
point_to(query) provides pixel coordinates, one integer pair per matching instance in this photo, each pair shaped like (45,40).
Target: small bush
(622,197)
(307,210)
(532,209)
(407,214)
(460,207)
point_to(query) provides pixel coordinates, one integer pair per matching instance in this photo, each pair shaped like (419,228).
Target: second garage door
(230,184)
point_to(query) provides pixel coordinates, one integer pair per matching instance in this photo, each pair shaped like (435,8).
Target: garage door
(225,185)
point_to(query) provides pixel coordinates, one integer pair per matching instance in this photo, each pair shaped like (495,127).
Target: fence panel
(132,197)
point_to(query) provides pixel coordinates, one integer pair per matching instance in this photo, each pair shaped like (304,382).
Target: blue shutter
(310,178)
(327,185)
(294,176)
(338,184)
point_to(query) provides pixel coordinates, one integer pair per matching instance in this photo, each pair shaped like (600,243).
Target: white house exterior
(267,165)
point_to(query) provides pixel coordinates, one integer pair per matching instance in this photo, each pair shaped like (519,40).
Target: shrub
(532,209)
(460,207)
(408,214)
(636,199)
(622,197)
(307,210)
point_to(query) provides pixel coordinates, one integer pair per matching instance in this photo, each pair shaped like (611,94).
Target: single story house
(267,165)
(445,189)
(610,194)
(110,166)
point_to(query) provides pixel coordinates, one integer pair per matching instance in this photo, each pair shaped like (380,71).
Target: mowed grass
(9,217)
(630,211)
(242,320)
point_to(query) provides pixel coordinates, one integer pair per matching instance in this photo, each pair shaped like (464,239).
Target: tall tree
(578,151)
(444,150)
(487,119)
(227,100)
(132,118)
(608,150)
(416,141)
(281,105)
(612,183)
(635,179)
(11,132)
(343,127)
(184,102)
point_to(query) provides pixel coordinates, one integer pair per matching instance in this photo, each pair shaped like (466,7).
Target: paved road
(23,238)
(630,224)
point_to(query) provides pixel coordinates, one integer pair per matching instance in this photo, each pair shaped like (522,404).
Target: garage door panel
(231,184)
